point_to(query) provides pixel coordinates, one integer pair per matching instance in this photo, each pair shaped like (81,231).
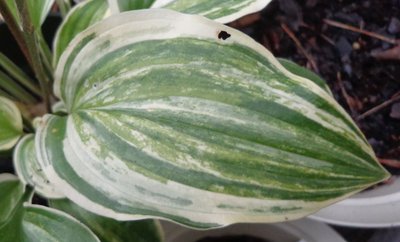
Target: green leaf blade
(46,224)
(10,124)
(175,121)
(38,10)
(22,222)
(110,230)
(11,192)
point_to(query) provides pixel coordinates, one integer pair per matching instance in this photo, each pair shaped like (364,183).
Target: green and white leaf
(10,124)
(304,72)
(45,224)
(22,222)
(78,19)
(221,11)
(168,120)
(29,170)
(110,230)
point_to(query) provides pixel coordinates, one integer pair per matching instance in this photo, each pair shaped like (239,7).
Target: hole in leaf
(223,35)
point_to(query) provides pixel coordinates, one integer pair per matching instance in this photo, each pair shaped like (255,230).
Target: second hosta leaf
(10,124)
(177,116)
(221,11)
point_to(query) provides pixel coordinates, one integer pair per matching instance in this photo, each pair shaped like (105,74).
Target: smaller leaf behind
(221,11)
(29,170)
(38,10)
(110,230)
(82,16)
(11,192)
(10,124)
(23,222)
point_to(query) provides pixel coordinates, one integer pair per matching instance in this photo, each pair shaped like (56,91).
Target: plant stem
(15,29)
(47,56)
(15,72)
(32,42)
(15,90)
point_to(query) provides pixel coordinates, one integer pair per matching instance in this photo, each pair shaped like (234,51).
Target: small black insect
(223,35)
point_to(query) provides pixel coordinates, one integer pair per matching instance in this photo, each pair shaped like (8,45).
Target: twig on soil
(390,54)
(361,31)
(390,162)
(351,102)
(327,39)
(381,106)
(309,57)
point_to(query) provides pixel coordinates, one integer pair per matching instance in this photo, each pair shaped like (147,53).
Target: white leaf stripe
(233,158)
(147,83)
(258,131)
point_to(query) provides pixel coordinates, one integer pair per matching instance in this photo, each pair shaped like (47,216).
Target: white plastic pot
(376,208)
(304,230)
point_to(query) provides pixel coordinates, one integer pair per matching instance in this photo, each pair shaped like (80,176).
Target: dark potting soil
(362,71)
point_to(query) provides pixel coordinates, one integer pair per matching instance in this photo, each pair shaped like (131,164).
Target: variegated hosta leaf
(78,19)
(45,224)
(10,124)
(110,230)
(29,170)
(22,222)
(221,11)
(177,116)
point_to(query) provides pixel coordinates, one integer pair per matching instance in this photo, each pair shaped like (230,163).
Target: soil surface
(362,71)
